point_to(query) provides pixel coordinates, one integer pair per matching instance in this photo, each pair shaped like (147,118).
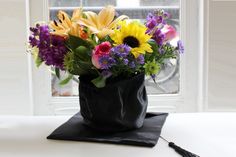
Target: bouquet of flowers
(104,46)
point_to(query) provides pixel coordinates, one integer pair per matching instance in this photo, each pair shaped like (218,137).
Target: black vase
(119,106)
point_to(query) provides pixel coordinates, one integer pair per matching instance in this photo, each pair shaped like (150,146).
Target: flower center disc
(131,41)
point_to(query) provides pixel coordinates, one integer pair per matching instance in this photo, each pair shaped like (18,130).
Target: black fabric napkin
(146,136)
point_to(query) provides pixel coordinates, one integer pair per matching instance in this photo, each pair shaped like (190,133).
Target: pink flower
(170,32)
(95,61)
(100,50)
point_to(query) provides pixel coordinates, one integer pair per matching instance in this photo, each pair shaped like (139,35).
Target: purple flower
(33,41)
(140,59)
(161,51)
(159,19)
(180,46)
(121,50)
(153,76)
(166,15)
(150,16)
(52,49)
(132,65)
(155,22)
(106,73)
(160,16)
(44,35)
(125,61)
(34,30)
(106,62)
(151,23)
(156,19)
(159,37)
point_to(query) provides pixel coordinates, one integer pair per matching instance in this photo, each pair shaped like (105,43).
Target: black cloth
(120,105)
(147,136)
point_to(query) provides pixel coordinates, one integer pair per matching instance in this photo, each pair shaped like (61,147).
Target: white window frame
(189,99)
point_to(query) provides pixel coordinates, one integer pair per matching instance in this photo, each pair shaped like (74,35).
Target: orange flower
(65,25)
(103,23)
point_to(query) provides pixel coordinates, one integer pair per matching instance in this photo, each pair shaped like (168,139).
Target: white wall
(14,80)
(220,52)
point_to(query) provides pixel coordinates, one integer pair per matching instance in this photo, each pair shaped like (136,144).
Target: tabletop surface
(206,134)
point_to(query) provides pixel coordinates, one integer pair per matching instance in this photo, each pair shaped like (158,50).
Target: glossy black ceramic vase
(119,106)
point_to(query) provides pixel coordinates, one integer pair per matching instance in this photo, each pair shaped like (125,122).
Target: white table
(206,134)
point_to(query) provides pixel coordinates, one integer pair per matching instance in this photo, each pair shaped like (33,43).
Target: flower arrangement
(104,45)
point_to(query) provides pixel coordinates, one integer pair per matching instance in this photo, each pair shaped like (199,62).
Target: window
(179,84)
(167,80)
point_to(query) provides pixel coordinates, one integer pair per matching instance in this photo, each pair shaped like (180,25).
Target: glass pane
(64,3)
(159,2)
(96,3)
(167,79)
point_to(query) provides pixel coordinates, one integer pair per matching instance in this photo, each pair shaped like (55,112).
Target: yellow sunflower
(134,35)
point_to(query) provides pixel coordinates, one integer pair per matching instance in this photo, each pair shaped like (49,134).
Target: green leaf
(153,44)
(99,82)
(77,71)
(38,61)
(84,65)
(66,80)
(82,53)
(76,66)
(57,72)
(35,52)
(75,42)
(155,53)
(82,68)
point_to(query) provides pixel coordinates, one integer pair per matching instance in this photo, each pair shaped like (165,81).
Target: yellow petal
(77,15)
(136,52)
(53,25)
(104,32)
(147,47)
(88,24)
(74,30)
(85,22)
(56,25)
(115,22)
(106,16)
(92,18)
(64,18)
(62,33)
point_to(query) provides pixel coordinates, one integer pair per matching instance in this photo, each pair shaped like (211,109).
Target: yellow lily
(103,23)
(65,25)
